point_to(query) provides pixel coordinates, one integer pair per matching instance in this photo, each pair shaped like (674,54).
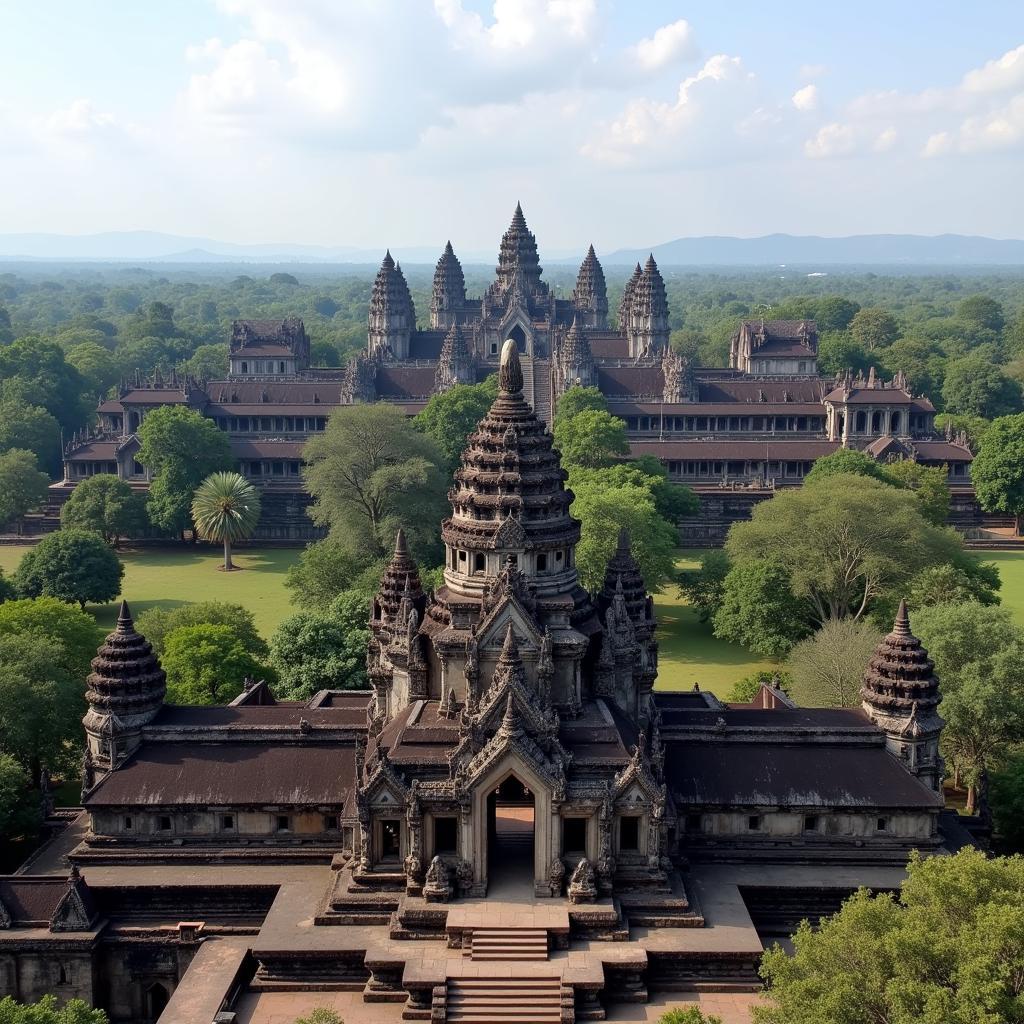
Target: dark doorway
(518,335)
(510,827)
(156,1000)
(390,840)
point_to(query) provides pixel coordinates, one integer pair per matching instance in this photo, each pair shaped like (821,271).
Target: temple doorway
(510,839)
(518,335)
(157,999)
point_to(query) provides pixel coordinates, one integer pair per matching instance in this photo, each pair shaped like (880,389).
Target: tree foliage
(828,667)
(30,427)
(974,386)
(313,651)
(72,631)
(22,487)
(208,664)
(704,587)
(49,1011)
(746,689)
(1006,795)
(979,657)
(181,448)
(19,803)
(157,623)
(450,417)
(225,510)
(948,950)
(72,565)
(928,483)
(372,471)
(107,506)
(997,471)
(845,461)
(591,438)
(327,568)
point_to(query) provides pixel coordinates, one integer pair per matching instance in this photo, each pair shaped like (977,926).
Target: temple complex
(734,434)
(512,816)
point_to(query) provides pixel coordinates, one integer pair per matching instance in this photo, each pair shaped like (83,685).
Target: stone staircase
(509,1000)
(508,944)
(537,386)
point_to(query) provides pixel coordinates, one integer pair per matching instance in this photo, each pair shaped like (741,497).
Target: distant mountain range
(708,250)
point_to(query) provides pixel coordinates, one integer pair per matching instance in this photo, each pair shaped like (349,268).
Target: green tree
(603,511)
(49,1011)
(982,311)
(921,359)
(370,472)
(325,569)
(590,439)
(41,703)
(313,651)
(839,352)
(65,627)
(687,1015)
(844,542)
(828,666)
(181,448)
(156,321)
(928,483)
(704,587)
(107,506)
(208,664)
(758,609)
(997,471)
(973,426)
(71,565)
(19,803)
(873,328)
(979,658)
(746,689)
(954,584)
(577,400)
(451,416)
(225,510)
(157,623)
(318,1015)
(97,366)
(948,950)
(33,369)
(30,427)
(22,487)
(834,313)
(974,386)
(845,460)
(208,362)
(1007,799)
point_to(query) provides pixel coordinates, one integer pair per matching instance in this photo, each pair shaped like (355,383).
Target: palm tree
(225,507)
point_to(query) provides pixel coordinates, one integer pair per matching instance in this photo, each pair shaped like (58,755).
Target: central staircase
(508,1000)
(509,944)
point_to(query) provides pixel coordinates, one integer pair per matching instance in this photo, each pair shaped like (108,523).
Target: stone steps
(506,1000)
(509,944)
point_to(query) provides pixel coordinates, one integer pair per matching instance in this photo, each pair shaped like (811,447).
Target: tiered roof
(624,572)
(626,303)
(449,290)
(390,298)
(511,479)
(649,298)
(901,675)
(401,579)
(518,253)
(126,678)
(591,292)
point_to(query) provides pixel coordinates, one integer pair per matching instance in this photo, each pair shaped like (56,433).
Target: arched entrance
(511,820)
(518,335)
(156,1000)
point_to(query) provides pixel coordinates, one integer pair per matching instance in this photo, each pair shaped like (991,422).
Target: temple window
(330,823)
(693,823)
(128,823)
(245,367)
(810,823)
(462,556)
(283,823)
(280,367)
(390,840)
(754,823)
(164,823)
(445,835)
(574,835)
(882,825)
(542,562)
(629,833)
(479,562)
(227,822)
(559,556)
(62,975)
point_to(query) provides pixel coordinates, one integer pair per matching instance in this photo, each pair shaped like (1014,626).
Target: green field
(688,652)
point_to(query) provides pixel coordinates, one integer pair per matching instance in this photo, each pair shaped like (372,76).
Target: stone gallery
(511,824)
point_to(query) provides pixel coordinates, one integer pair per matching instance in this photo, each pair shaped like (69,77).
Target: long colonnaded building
(510,789)
(733,434)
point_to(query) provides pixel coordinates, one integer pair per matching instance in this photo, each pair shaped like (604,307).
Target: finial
(401,548)
(510,721)
(510,649)
(124,619)
(623,547)
(510,372)
(388,261)
(901,627)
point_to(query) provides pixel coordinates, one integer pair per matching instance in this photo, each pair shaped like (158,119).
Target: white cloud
(669,44)
(806,99)
(1000,75)
(885,140)
(811,71)
(82,128)
(832,140)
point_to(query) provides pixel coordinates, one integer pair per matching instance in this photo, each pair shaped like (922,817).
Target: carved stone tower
(124,691)
(626,303)
(518,274)
(574,365)
(448,295)
(455,365)
(648,313)
(901,695)
(590,297)
(392,314)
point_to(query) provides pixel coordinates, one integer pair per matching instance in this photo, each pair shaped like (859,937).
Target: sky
(407,122)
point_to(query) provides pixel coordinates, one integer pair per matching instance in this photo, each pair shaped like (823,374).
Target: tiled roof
(243,448)
(404,382)
(775,449)
(745,391)
(715,409)
(93,451)
(942,451)
(30,900)
(631,381)
(229,774)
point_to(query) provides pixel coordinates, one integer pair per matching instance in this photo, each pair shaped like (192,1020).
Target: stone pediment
(385,785)
(509,534)
(636,784)
(493,629)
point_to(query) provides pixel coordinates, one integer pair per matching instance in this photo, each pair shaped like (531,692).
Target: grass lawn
(688,653)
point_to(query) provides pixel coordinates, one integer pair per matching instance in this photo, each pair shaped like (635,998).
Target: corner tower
(590,297)
(392,314)
(901,696)
(125,691)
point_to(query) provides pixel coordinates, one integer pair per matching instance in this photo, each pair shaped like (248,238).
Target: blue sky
(373,122)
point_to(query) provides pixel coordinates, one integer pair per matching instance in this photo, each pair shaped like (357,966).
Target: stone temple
(511,824)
